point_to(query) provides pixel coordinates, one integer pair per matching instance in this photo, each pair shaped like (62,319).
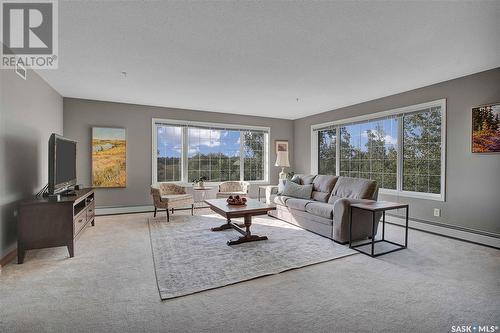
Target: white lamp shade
(282,159)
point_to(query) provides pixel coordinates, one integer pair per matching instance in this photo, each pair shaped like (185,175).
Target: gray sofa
(327,211)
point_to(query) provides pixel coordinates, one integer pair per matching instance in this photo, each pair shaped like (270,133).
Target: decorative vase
(201,184)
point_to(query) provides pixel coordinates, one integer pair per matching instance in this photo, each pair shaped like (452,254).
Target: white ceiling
(257,58)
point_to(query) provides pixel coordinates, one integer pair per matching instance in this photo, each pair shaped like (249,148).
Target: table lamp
(282,161)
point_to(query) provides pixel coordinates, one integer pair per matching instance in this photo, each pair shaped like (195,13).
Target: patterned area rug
(189,258)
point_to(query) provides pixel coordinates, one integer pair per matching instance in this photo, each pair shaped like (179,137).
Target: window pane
(253,150)
(169,153)
(211,154)
(369,150)
(422,151)
(327,148)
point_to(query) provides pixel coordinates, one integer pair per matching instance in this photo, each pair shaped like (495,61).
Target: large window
(327,145)
(422,151)
(168,152)
(184,151)
(369,150)
(403,149)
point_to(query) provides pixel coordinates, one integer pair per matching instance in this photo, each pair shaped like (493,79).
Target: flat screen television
(62,163)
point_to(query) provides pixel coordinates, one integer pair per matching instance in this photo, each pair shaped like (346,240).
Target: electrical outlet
(437,212)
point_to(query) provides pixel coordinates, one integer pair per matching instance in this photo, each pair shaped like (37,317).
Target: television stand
(45,222)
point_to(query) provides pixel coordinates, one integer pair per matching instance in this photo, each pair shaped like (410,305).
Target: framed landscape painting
(281,145)
(486,129)
(109,157)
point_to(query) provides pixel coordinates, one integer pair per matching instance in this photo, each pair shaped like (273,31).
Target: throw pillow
(296,179)
(294,190)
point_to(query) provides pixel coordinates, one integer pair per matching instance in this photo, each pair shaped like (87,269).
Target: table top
(205,188)
(266,186)
(252,206)
(376,206)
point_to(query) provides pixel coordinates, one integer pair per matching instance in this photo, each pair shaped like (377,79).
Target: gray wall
(80,115)
(30,111)
(472,180)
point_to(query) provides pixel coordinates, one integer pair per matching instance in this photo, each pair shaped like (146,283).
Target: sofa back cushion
(302,179)
(355,188)
(294,190)
(323,186)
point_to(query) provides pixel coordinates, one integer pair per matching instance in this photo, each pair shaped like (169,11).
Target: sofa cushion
(320,196)
(281,200)
(320,209)
(324,183)
(323,186)
(303,179)
(355,188)
(297,191)
(298,204)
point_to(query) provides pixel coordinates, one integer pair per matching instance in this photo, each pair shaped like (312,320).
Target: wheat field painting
(109,157)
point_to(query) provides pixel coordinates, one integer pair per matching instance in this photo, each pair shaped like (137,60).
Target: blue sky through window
(359,132)
(204,141)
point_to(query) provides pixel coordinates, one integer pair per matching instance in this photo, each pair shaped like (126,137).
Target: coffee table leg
(247,237)
(225,226)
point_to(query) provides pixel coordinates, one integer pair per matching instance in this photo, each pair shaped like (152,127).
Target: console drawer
(79,222)
(90,211)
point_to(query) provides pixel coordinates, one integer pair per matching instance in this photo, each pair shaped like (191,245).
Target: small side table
(268,190)
(374,207)
(203,191)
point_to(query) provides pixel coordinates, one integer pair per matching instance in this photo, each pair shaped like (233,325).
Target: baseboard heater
(460,233)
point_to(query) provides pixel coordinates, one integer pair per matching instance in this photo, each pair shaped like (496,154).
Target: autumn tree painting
(486,129)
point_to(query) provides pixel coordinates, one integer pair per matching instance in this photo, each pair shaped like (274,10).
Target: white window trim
(399,111)
(184,172)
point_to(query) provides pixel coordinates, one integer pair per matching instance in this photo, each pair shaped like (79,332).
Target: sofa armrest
(341,215)
(342,206)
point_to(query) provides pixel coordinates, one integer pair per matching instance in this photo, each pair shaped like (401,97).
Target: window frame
(399,113)
(184,150)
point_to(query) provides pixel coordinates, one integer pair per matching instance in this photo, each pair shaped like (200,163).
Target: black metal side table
(374,207)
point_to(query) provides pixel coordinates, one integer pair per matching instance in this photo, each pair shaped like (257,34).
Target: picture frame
(485,131)
(281,146)
(108,157)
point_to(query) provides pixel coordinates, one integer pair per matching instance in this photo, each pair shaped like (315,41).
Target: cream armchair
(170,196)
(233,188)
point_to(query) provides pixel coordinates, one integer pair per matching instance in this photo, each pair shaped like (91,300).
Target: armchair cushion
(233,187)
(227,194)
(176,197)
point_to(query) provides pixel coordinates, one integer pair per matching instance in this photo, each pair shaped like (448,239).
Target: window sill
(410,194)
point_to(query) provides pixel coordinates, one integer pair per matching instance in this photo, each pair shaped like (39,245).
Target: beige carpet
(189,258)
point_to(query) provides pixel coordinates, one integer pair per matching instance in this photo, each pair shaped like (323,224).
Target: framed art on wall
(280,145)
(486,128)
(109,157)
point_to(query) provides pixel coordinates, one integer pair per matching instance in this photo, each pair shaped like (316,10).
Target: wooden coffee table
(252,208)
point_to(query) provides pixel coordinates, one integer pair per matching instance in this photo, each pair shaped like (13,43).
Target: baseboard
(99,211)
(10,256)
(471,236)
